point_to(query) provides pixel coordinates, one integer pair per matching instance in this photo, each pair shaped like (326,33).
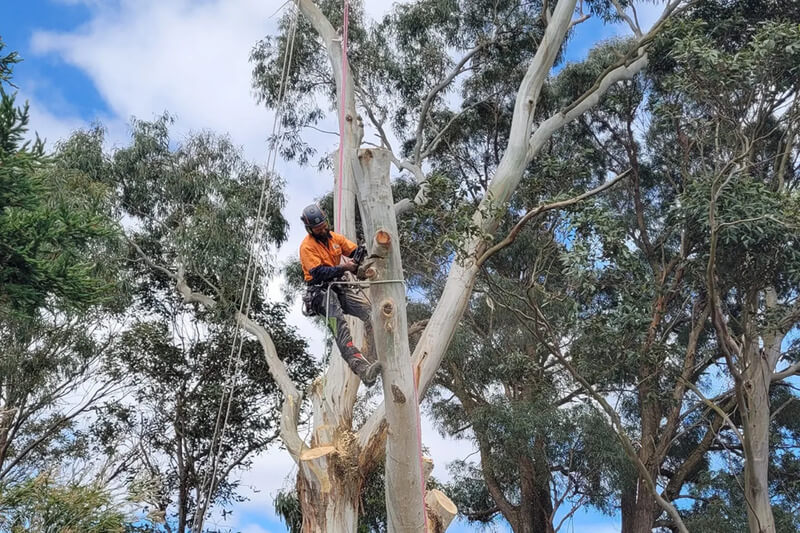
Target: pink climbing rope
(342,107)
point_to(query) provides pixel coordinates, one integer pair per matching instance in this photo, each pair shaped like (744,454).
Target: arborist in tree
(325,257)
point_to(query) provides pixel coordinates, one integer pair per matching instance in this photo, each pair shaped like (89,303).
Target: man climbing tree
(325,257)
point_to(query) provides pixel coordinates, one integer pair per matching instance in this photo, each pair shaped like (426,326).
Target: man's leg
(337,325)
(354,302)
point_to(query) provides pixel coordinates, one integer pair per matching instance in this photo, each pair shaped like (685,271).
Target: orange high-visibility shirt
(314,254)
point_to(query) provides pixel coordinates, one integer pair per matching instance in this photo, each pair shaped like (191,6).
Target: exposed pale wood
(441,510)
(427,468)
(316,452)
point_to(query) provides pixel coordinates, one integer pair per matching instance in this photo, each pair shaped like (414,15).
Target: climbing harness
(359,283)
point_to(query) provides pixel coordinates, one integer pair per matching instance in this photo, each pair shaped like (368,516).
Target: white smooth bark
(405,506)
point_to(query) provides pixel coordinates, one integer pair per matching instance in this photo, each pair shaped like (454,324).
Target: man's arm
(325,273)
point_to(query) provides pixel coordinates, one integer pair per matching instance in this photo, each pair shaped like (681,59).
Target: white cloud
(376,9)
(47,125)
(190,59)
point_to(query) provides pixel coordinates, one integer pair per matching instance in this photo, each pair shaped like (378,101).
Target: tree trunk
(405,495)
(325,495)
(756,419)
(6,419)
(334,510)
(642,505)
(536,506)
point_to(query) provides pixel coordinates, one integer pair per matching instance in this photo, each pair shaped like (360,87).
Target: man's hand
(348,264)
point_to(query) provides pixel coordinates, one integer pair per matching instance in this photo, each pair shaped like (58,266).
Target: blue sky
(90,61)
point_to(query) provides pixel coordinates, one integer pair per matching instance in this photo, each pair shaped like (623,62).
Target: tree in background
(57,291)
(46,237)
(41,505)
(204,403)
(741,116)
(641,328)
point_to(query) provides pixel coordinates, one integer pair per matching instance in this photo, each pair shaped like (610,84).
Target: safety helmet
(313,216)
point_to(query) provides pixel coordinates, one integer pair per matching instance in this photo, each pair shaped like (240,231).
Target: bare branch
(716,408)
(149,262)
(787,372)
(366,100)
(458,69)
(514,233)
(440,134)
(624,16)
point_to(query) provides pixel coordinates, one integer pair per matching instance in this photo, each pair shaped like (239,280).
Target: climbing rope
(234,364)
(342,115)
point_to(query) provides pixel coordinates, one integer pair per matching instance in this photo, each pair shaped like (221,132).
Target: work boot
(368,372)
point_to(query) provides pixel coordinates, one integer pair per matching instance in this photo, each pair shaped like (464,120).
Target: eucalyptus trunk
(405,508)
(332,509)
(756,421)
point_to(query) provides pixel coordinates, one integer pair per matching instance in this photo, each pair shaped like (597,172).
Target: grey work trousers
(344,300)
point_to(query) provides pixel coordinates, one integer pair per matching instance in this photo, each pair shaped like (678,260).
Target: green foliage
(189,209)
(42,505)
(194,206)
(287,507)
(7,62)
(178,379)
(58,281)
(617,283)
(48,240)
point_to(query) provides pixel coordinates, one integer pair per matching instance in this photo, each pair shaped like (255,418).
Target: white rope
(220,426)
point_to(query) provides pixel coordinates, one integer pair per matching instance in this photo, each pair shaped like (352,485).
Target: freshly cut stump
(441,510)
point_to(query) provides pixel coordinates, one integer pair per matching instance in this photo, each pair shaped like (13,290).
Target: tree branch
(432,94)
(514,233)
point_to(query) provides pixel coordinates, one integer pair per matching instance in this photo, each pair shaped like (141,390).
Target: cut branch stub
(383,240)
(314,453)
(387,314)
